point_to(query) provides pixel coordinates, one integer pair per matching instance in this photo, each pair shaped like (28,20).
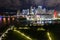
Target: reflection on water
(4,20)
(5,23)
(0,20)
(8,20)
(13,18)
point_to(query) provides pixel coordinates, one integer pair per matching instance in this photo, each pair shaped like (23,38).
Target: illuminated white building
(39,14)
(39,10)
(32,11)
(44,10)
(25,12)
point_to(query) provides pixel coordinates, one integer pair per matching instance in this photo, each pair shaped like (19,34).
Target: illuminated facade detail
(41,29)
(38,17)
(55,14)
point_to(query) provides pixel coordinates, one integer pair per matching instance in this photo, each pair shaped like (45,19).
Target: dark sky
(20,4)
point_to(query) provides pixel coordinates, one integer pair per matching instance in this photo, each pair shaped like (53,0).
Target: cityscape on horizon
(29,19)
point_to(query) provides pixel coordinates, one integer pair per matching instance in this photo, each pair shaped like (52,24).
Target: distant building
(25,12)
(44,10)
(18,12)
(39,13)
(32,11)
(50,13)
(39,10)
(58,14)
(40,7)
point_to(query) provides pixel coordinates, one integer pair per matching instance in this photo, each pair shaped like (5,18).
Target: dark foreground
(34,34)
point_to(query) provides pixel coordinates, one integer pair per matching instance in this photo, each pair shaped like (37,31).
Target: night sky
(21,4)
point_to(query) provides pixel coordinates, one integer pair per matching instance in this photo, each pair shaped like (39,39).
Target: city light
(23,34)
(24,27)
(0,19)
(49,36)
(20,19)
(4,20)
(58,14)
(55,14)
(13,18)
(8,19)
(41,29)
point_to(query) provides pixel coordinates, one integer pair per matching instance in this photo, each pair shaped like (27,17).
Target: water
(5,23)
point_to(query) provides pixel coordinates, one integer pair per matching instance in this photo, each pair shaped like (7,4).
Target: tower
(55,14)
